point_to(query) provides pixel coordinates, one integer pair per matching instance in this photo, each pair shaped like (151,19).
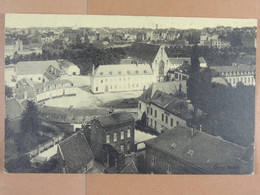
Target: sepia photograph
(99,94)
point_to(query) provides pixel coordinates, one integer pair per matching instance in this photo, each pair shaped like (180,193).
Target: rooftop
(76,152)
(123,70)
(115,118)
(224,69)
(34,67)
(144,52)
(13,109)
(209,153)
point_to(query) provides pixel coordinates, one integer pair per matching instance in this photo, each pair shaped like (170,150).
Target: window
(128,72)
(177,122)
(101,80)
(171,122)
(122,135)
(122,147)
(147,110)
(107,139)
(96,88)
(168,168)
(119,72)
(101,73)
(110,73)
(151,111)
(140,106)
(153,161)
(155,124)
(162,117)
(39,78)
(248,79)
(151,122)
(166,119)
(145,71)
(136,71)
(155,113)
(115,137)
(128,133)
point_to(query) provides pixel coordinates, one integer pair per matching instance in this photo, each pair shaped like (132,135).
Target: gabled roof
(115,119)
(206,152)
(34,67)
(123,70)
(66,63)
(144,52)
(13,109)
(76,152)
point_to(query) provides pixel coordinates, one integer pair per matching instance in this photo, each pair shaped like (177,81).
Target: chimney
(25,95)
(144,92)
(193,130)
(200,128)
(93,70)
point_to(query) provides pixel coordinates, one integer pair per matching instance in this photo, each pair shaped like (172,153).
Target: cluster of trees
(230,112)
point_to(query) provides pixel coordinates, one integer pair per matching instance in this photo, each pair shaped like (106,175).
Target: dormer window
(190,152)
(173,145)
(145,71)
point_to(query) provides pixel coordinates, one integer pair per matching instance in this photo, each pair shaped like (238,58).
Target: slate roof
(211,154)
(181,60)
(76,152)
(115,118)
(34,67)
(13,109)
(166,87)
(123,70)
(144,52)
(38,86)
(225,69)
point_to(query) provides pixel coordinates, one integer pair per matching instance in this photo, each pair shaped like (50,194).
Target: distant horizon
(121,21)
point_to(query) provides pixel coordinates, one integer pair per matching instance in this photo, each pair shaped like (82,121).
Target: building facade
(123,77)
(237,73)
(117,130)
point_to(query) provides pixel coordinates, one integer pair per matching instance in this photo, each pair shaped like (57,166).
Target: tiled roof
(225,69)
(13,109)
(123,70)
(201,150)
(115,118)
(76,152)
(144,52)
(34,67)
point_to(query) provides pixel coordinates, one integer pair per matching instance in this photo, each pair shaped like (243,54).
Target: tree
(8,91)
(30,122)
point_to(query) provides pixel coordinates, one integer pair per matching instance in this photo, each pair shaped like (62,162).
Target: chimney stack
(25,95)
(200,128)
(193,130)
(93,70)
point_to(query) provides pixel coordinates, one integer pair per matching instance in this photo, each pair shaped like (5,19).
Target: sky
(98,21)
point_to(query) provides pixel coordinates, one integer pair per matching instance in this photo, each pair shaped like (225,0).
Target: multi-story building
(165,111)
(121,77)
(237,73)
(184,150)
(115,130)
